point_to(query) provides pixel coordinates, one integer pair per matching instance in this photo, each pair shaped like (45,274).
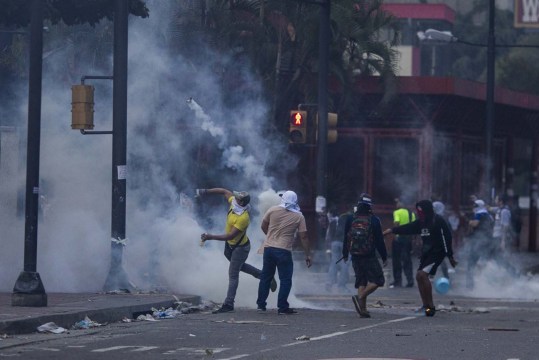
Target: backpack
(360,239)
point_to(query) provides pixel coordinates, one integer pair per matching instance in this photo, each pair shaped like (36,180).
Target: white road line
(137,348)
(145,348)
(327,336)
(111,348)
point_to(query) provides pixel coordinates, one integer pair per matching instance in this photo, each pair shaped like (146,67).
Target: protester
(401,247)
(338,271)
(237,244)
(436,238)
(439,209)
(501,232)
(479,241)
(280,224)
(362,238)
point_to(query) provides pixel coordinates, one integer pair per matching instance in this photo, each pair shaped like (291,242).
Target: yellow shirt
(401,216)
(240,222)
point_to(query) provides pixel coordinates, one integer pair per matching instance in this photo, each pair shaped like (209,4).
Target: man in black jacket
(436,237)
(362,236)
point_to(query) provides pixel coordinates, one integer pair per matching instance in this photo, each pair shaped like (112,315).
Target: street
(326,327)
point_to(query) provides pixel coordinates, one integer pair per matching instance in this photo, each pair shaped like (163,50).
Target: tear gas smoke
(164,223)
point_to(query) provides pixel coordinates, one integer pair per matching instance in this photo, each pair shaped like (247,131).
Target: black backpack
(360,239)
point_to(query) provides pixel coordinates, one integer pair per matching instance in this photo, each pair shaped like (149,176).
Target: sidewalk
(65,309)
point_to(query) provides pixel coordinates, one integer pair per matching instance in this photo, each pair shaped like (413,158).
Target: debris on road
(51,327)
(169,313)
(188,308)
(85,324)
(147,317)
(303,338)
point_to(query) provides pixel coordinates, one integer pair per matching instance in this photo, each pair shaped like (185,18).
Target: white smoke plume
(172,148)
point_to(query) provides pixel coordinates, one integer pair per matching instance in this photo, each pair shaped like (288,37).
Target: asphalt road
(463,328)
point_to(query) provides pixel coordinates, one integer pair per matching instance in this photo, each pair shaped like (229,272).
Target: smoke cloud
(174,147)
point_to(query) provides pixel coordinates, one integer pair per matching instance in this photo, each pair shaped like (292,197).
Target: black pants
(401,253)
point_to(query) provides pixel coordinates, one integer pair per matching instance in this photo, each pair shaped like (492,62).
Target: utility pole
(117,278)
(323,70)
(489,123)
(28,289)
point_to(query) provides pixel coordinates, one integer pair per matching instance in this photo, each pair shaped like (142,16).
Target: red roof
(421,11)
(428,85)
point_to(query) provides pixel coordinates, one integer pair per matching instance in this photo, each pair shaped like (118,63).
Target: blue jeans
(281,260)
(337,273)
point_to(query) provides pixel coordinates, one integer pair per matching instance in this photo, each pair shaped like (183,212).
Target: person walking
(280,224)
(436,238)
(401,247)
(338,271)
(237,244)
(362,238)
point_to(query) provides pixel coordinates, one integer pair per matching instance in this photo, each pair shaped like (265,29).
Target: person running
(436,237)
(362,238)
(237,244)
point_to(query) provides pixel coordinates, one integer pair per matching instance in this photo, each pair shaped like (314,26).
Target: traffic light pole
(117,278)
(323,70)
(28,289)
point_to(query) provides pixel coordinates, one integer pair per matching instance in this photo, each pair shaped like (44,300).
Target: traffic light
(82,107)
(298,127)
(332,128)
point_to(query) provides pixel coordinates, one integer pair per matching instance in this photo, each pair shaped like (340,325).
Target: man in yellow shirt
(401,248)
(237,244)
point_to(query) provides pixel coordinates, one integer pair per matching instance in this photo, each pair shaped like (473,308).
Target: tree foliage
(16,13)
(280,40)
(516,68)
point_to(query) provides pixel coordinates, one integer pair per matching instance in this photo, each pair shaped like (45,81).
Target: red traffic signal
(297,118)
(298,127)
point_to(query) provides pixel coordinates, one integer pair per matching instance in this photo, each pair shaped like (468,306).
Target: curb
(103,316)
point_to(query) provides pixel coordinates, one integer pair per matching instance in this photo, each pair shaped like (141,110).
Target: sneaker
(430,311)
(363,313)
(273,285)
(260,308)
(394,285)
(420,310)
(224,309)
(287,311)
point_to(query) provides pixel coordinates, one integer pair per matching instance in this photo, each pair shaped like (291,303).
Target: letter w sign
(527,13)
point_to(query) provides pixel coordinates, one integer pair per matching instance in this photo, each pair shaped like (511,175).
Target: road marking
(195,351)
(327,336)
(137,348)
(145,348)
